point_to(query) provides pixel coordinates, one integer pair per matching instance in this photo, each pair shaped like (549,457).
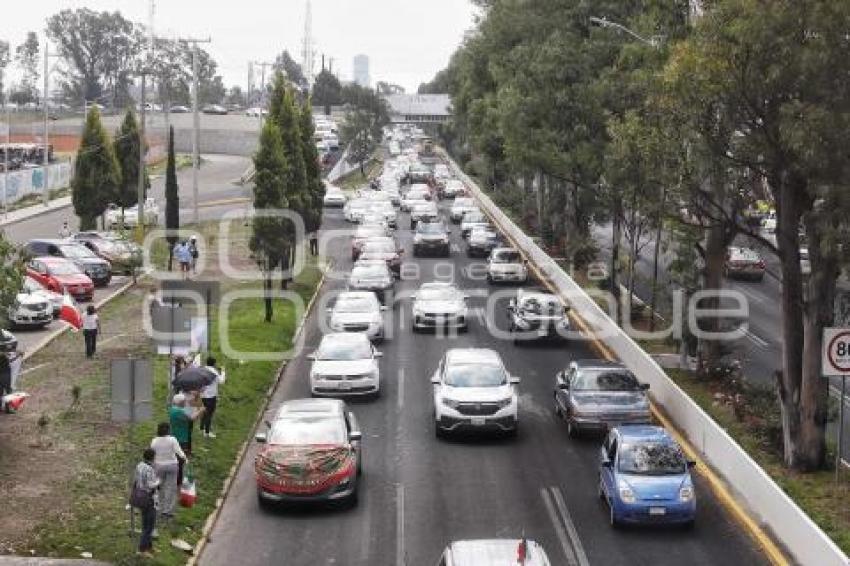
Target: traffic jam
(410,227)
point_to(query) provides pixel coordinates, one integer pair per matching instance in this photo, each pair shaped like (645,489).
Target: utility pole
(46,194)
(196,124)
(6,157)
(140,192)
(262,65)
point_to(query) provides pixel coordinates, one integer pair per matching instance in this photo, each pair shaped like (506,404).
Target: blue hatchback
(645,478)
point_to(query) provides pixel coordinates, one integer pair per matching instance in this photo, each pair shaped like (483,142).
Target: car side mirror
(355,435)
(384,308)
(311,357)
(513,380)
(268,424)
(644,387)
(435,379)
(330,310)
(691,464)
(563,385)
(261,437)
(606,463)
(379,354)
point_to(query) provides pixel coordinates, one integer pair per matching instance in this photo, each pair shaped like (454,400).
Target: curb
(212,519)
(756,533)
(41,212)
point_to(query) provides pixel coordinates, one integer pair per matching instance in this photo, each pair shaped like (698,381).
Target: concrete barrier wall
(17,184)
(765,500)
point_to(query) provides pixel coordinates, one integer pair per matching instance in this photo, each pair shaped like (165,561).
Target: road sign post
(835,361)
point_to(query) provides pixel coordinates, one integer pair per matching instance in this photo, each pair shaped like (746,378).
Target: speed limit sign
(836,351)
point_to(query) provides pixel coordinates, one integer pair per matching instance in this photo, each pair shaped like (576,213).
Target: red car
(58,274)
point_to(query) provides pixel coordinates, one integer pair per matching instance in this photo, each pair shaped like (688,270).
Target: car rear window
(605,380)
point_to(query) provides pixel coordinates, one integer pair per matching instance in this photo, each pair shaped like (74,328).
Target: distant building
(361,70)
(419,108)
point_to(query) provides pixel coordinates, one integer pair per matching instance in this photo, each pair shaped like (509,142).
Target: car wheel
(600,492)
(438,432)
(489,279)
(612,516)
(689,525)
(572,429)
(263,503)
(558,411)
(353,499)
(514,432)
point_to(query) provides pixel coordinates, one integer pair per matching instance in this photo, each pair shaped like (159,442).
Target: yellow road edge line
(235,200)
(717,486)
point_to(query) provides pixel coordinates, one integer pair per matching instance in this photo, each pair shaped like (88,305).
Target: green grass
(98,521)
(181,161)
(355,179)
(826,503)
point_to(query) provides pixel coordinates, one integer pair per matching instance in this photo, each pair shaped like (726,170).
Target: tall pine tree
(270,236)
(315,184)
(97,174)
(127,152)
(172,199)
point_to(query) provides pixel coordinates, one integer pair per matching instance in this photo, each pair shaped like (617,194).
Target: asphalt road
(418,492)
(216,195)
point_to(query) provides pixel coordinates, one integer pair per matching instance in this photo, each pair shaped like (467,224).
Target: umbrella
(193,379)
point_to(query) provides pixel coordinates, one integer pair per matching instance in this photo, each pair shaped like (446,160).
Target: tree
(172,199)
(284,63)
(236,96)
(327,91)
(99,49)
(211,91)
(4,62)
(774,75)
(383,87)
(27,57)
(312,213)
(365,117)
(97,175)
(12,271)
(269,235)
(126,143)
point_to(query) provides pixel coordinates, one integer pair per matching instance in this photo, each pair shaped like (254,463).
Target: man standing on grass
(209,397)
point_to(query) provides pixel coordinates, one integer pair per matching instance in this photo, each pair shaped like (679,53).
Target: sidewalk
(35,210)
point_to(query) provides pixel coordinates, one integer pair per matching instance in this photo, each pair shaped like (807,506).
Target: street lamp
(655,41)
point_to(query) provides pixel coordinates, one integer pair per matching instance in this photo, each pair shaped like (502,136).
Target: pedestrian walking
(181,415)
(65,231)
(209,397)
(184,257)
(193,251)
(314,243)
(143,498)
(167,462)
(91,328)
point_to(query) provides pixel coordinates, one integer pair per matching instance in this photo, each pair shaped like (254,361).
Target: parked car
(311,453)
(744,263)
(150,211)
(805,262)
(8,341)
(29,310)
(461,206)
(58,275)
(122,257)
(385,249)
(179,109)
(214,109)
(473,390)
(345,363)
(373,276)
(481,241)
(431,238)
(494,552)
(470,220)
(506,265)
(365,232)
(645,478)
(536,315)
(423,212)
(595,395)
(334,197)
(54,299)
(358,311)
(98,269)
(256,112)
(439,305)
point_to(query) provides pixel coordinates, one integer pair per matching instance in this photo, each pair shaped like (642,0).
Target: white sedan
(345,364)
(358,311)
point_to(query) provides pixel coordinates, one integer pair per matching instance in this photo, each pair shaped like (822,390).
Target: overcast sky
(407,41)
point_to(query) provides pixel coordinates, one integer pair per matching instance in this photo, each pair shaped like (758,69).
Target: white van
(494,552)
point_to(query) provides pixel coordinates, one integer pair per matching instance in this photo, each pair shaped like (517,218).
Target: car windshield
(76,251)
(605,380)
(445,294)
(369,271)
(430,228)
(651,459)
(463,202)
(414,194)
(354,304)
(366,231)
(344,350)
(378,246)
(475,375)
(305,430)
(63,268)
(542,307)
(473,217)
(507,257)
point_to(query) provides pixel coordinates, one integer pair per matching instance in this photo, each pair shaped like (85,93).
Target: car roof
(647,433)
(505,249)
(356,295)
(541,296)
(597,364)
(295,407)
(436,285)
(473,356)
(495,552)
(52,259)
(744,252)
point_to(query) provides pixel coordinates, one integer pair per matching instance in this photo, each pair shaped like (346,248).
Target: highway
(419,492)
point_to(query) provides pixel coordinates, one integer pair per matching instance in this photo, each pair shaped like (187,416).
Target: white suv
(506,265)
(473,390)
(345,364)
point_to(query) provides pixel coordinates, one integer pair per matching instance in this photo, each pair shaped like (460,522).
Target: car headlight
(505,402)
(418,312)
(451,403)
(417,239)
(686,493)
(336,325)
(626,493)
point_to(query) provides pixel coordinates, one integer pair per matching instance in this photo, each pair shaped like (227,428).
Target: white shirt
(90,321)
(167,450)
(211,390)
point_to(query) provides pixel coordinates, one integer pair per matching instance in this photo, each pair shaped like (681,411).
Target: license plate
(478,421)
(344,385)
(657,511)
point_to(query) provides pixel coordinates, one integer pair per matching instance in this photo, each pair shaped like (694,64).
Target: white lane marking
(571,528)
(400,558)
(479,315)
(33,368)
(400,399)
(455,248)
(559,529)
(757,340)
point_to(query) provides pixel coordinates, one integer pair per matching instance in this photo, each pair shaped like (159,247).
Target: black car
(431,238)
(98,269)
(214,109)
(8,341)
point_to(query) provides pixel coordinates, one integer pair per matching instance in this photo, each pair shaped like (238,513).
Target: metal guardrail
(750,484)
